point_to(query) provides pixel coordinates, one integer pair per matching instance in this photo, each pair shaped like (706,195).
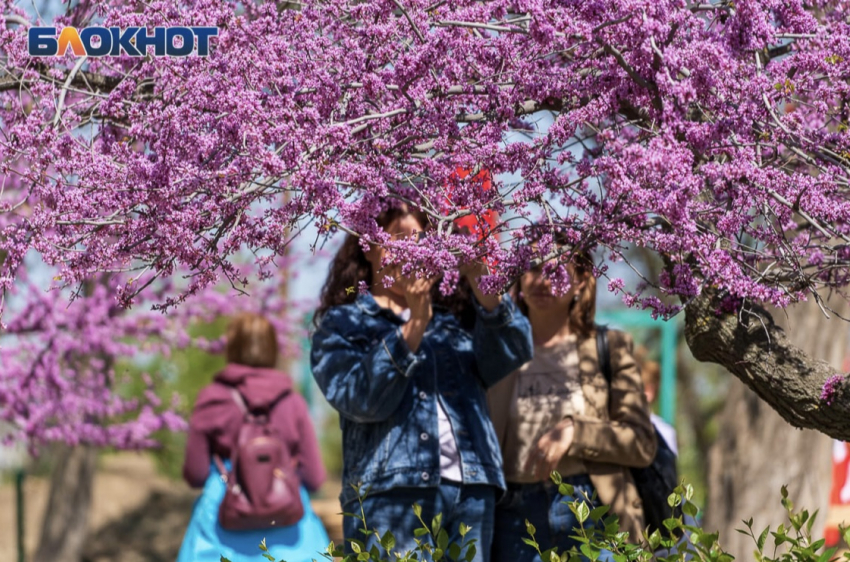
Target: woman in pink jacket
(213,428)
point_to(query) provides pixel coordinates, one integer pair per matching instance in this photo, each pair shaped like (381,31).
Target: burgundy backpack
(262,487)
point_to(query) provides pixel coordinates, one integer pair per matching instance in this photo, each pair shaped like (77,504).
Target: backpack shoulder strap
(604,353)
(240,401)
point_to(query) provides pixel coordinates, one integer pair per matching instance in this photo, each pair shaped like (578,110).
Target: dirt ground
(137,515)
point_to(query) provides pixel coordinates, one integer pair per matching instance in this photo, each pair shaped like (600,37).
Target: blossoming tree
(713,133)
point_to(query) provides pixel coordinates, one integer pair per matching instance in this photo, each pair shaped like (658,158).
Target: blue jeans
(392,510)
(544,508)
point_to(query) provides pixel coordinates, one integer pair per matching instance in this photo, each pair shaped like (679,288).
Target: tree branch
(757,351)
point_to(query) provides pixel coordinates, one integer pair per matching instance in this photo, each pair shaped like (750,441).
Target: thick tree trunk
(65,524)
(756,349)
(757,451)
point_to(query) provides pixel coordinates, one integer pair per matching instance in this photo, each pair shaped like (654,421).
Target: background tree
(89,375)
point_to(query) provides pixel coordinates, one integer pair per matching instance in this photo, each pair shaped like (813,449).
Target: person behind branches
(651,376)
(214,428)
(557,413)
(407,369)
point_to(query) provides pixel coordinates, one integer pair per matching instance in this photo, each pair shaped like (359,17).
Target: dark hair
(582,314)
(350,267)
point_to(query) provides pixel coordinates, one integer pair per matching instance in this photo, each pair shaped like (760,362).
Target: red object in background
(482,225)
(839,495)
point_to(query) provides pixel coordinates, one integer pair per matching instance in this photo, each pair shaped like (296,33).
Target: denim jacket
(387,396)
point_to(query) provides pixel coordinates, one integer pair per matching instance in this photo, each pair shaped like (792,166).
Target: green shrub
(599,537)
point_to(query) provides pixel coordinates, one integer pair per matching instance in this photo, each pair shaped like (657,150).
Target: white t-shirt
(449,455)
(667,432)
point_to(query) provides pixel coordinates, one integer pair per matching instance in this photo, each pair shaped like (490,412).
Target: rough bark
(758,351)
(757,451)
(65,524)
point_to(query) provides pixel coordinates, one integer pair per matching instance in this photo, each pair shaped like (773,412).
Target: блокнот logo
(134,41)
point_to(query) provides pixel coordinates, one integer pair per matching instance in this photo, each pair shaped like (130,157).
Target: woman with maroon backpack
(252,448)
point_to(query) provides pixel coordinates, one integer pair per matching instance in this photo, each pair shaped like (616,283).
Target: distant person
(250,386)
(651,374)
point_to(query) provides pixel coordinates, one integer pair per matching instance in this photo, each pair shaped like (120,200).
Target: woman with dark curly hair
(407,369)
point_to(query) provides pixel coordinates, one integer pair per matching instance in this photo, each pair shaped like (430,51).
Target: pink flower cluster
(830,388)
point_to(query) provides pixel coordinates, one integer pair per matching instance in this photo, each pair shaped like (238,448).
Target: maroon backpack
(262,488)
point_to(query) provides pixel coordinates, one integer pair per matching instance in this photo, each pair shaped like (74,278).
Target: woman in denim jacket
(407,369)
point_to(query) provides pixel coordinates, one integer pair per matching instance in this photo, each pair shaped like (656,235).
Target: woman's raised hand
(417,292)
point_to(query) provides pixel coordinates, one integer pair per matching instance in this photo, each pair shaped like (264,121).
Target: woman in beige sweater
(557,413)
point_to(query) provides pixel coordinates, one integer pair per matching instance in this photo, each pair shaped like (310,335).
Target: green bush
(600,532)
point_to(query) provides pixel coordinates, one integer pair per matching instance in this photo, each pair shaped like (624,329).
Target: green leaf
(263,546)
(655,539)
(556,477)
(269,557)
(811,522)
(582,512)
(818,544)
(762,538)
(828,554)
(417,509)
(442,540)
(223,559)
(388,541)
(436,522)
(590,552)
(530,542)
(471,552)
(420,531)
(529,528)
(363,556)
(438,554)
(355,546)
(454,551)
(673,500)
(464,529)
(709,539)
(598,512)
(690,509)
(671,524)
(566,489)
(784,491)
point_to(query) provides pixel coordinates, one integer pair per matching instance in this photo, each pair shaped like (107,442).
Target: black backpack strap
(243,405)
(603,353)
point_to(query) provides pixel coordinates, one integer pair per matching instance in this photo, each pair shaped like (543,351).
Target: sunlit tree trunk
(757,451)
